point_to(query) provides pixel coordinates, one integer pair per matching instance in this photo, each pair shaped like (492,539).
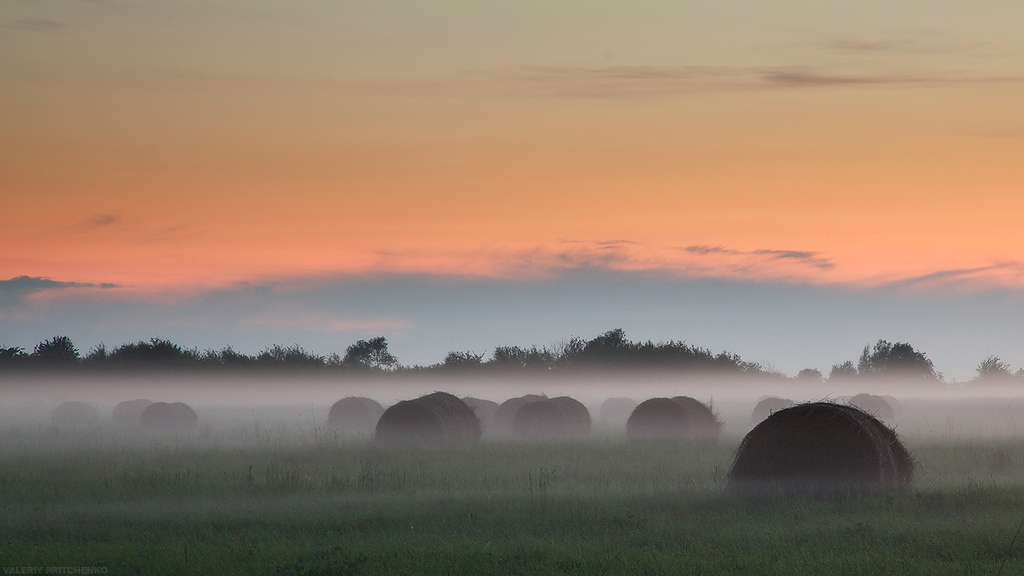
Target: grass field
(275,505)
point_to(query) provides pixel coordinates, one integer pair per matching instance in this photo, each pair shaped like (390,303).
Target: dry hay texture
(437,418)
(616,410)
(561,418)
(678,419)
(501,421)
(129,411)
(74,415)
(354,415)
(768,406)
(484,409)
(168,417)
(877,406)
(820,447)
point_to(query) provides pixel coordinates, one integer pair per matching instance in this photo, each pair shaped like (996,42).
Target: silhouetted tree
(899,360)
(294,356)
(568,353)
(98,357)
(460,361)
(228,358)
(155,354)
(993,370)
(372,354)
(516,358)
(57,351)
(810,375)
(12,357)
(843,371)
(612,347)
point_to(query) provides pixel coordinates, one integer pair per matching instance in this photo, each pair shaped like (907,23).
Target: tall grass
(268,503)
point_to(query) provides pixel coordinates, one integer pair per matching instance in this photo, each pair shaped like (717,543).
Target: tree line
(611,350)
(608,351)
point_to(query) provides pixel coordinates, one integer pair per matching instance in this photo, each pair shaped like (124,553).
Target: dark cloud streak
(16,289)
(813,259)
(625,81)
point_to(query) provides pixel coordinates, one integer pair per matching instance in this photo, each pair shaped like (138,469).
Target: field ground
(318,506)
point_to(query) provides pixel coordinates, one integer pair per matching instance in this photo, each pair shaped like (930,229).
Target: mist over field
(296,405)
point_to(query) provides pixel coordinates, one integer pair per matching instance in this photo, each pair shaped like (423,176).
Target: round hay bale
(768,406)
(893,403)
(506,412)
(437,418)
(354,415)
(707,425)
(678,419)
(129,411)
(484,410)
(820,447)
(616,410)
(875,405)
(168,417)
(561,418)
(74,415)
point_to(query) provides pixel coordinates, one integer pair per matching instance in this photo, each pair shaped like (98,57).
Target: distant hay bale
(506,412)
(677,419)
(616,410)
(354,415)
(768,406)
(877,406)
(820,447)
(129,411)
(893,403)
(437,418)
(74,415)
(484,409)
(561,418)
(168,417)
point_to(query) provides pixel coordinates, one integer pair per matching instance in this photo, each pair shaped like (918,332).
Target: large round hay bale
(168,417)
(437,418)
(506,412)
(677,419)
(129,411)
(875,405)
(768,406)
(484,409)
(615,411)
(354,415)
(820,447)
(74,415)
(561,418)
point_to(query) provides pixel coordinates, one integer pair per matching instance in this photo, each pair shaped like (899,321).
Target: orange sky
(202,145)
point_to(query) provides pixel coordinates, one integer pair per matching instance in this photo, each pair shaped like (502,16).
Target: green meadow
(204,504)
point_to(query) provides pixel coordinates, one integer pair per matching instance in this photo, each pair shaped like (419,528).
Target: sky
(789,180)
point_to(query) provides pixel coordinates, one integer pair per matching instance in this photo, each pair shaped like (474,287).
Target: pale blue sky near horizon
(788,326)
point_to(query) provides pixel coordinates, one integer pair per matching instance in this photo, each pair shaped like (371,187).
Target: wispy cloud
(808,258)
(96,221)
(44,25)
(625,81)
(1006,273)
(34,283)
(919,41)
(547,260)
(21,287)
